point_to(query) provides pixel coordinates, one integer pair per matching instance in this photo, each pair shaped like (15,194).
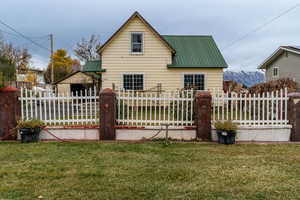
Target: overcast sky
(226,21)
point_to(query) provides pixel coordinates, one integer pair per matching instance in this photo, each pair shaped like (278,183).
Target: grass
(149,171)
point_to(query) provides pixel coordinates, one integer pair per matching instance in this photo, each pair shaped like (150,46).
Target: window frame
(131,43)
(133,73)
(195,73)
(277,70)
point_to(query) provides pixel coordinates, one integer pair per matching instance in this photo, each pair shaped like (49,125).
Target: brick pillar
(10,112)
(108,106)
(203,113)
(294,115)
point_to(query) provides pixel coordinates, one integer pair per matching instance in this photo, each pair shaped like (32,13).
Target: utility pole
(52,64)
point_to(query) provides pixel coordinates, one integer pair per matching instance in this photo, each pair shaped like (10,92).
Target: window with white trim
(275,72)
(136,42)
(133,81)
(195,81)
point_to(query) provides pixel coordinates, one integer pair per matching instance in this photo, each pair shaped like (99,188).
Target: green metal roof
(195,51)
(93,66)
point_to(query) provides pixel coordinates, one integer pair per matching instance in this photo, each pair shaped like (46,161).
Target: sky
(227,21)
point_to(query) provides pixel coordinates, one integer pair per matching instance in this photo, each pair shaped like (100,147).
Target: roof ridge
(189,35)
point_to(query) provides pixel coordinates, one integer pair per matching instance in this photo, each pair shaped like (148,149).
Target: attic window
(136,42)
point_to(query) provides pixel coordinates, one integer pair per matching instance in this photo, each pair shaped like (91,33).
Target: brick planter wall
(10,110)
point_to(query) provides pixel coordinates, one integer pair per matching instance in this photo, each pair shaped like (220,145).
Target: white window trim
(130,45)
(194,73)
(132,73)
(275,76)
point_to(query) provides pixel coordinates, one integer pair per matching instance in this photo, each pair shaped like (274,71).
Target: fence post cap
(107,91)
(294,95)
(203,94)
(9,89)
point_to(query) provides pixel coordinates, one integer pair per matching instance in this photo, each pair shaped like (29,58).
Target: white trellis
(79,108)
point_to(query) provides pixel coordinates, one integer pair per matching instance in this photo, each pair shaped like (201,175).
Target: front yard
(149,171)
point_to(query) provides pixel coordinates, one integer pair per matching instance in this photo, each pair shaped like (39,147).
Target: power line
(261,26)
(24,36)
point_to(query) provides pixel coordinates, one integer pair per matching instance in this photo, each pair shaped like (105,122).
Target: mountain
(246,78)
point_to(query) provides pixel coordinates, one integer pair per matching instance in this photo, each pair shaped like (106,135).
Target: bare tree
(87,49)
(15,56)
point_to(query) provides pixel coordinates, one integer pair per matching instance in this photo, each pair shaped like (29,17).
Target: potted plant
(30,130)
(226,132)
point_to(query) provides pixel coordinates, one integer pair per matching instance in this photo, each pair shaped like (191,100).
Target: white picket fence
(153,109)
(81,108)
(266,109)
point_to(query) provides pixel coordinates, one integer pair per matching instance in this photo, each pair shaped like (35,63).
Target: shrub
(34,123)
(226,126)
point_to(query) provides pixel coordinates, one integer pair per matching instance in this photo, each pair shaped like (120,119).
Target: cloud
(70,20)
(39,62)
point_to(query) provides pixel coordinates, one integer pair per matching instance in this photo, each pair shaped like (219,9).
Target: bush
(7,74)
(226,126)
(34,123)
(270,86)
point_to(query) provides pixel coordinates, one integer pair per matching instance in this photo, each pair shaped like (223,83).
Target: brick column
(108,106)
(10,112)
(294,115)
(203,101)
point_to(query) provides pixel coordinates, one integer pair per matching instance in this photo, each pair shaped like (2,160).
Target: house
(283,63)
(137,57)
(77,81)
(31,77)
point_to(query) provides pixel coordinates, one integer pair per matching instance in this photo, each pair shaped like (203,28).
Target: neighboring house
(283,63)
(78,81)
(32,77)
(137,57)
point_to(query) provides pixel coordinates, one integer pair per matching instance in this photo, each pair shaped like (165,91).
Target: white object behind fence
(152,109)
(266,109)
(82,108)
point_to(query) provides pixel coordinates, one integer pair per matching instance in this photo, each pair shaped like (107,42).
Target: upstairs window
(136,42)
(133,81)
(275,72)
(195,81)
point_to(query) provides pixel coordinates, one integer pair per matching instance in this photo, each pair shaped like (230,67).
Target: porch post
(108,112)
(10,112)
(203,101)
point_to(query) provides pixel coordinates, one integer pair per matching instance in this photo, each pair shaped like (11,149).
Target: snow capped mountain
(246,78)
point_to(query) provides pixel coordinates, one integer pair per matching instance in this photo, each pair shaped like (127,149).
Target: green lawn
(149,171)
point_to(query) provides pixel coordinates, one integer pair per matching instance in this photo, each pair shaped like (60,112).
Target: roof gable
(278,52)
(92,75)
(195,51)
(134,15)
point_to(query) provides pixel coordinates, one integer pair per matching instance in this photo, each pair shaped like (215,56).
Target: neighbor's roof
(278,52)
(193,51)
(93,66)
(93,75)
(137,14)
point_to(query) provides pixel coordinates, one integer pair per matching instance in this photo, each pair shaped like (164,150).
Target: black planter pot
(30,134)
(226,137)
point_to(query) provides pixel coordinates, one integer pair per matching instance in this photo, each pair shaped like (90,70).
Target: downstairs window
(195,81)
(133,81)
